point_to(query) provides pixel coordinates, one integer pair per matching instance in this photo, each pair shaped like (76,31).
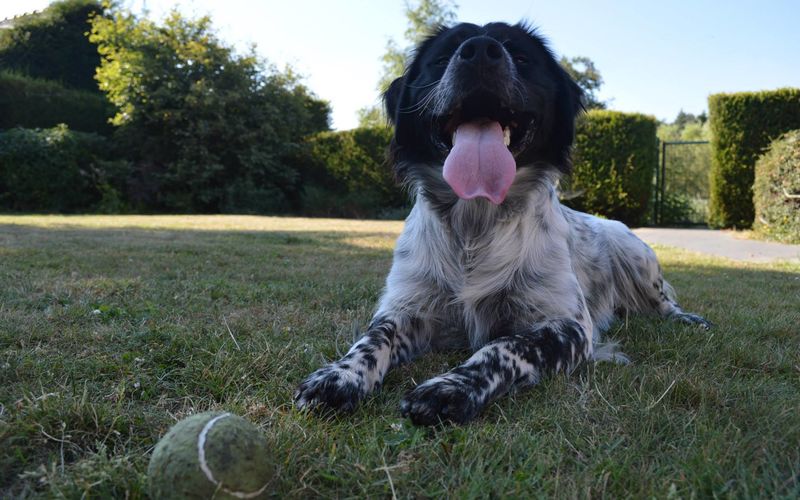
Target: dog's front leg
(342,384)
(515,360)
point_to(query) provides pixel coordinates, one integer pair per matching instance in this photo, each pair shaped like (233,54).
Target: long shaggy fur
(529,285)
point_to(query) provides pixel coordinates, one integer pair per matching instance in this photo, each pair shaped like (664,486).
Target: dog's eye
(521,59)
(442,61)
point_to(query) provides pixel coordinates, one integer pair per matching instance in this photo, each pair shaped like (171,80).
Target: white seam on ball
(201,457)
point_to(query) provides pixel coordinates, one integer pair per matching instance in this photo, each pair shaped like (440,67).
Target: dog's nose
(481,50)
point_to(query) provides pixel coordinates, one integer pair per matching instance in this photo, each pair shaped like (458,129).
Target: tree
(207,130)
(587,76)
(53,45)
(685,127)
(422,22)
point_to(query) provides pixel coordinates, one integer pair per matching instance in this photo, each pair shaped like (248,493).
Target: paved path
(720,243)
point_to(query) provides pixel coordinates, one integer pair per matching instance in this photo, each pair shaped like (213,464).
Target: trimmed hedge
(742,126)
(57,170)
(345,175)
(32,103)
(52,44)
(615,158)
(776,190)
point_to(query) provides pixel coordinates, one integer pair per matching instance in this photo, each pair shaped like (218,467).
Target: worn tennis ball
(211,454)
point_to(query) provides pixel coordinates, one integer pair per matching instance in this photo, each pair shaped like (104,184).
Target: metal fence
(681,185)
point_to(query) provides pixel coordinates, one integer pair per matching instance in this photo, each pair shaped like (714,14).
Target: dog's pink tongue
(480,164)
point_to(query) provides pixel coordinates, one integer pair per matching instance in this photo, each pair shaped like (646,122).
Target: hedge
(776,190)
(58,170)
(345,175)
(52,44)
(742,126)
(32,103)
(615,158)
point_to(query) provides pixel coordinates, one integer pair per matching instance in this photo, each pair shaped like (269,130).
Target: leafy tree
(422,21)
(208,130)
(53,45)
(685,127)
(587,76)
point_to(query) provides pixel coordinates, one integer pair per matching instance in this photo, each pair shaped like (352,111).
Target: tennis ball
(211,454)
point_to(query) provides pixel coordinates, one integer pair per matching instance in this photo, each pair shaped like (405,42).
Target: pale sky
(655,57)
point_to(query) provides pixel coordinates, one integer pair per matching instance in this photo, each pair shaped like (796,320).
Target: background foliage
(742,126)
(776,191)
(52,45)
(207,130)
(345,175)
(56,170)
(687,169)
(614,161)
(31,103)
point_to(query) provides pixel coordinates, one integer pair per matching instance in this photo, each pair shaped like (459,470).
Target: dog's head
(484,101)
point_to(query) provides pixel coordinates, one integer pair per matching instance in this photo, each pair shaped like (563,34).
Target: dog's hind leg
(640,285)
(340,385)
(668,307)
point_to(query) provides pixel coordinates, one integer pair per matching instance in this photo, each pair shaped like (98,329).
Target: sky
(655,57)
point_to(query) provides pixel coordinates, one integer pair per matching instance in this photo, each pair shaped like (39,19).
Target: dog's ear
(391,99)
(570,103)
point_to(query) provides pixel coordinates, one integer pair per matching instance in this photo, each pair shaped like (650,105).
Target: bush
(346,175)
(207,130)
(776,190)
(57,170)
(615,158)
(742,126)
(31,103)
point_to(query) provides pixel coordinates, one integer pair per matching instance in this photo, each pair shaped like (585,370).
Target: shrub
(776,190)
(615,158)
(345,175)
(206,129)
(742,126)
(57,170)
(31,103)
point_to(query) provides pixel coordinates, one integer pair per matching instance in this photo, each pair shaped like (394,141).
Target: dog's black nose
(481,50)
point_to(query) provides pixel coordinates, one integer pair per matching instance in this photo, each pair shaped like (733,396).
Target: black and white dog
(484,120)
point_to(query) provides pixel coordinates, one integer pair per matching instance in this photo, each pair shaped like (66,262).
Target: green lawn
(111,328)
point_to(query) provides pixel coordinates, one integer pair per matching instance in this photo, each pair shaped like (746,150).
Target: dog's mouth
(517,126)
(480,137)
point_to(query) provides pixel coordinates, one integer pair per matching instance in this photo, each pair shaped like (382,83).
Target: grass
(111,328)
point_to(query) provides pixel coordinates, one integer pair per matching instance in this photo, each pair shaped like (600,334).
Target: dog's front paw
(330,388)
(441,399)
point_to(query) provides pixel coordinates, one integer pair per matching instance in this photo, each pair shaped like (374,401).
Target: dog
(484,119)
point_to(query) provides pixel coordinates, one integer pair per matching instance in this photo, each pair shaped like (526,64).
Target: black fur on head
(500,72)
